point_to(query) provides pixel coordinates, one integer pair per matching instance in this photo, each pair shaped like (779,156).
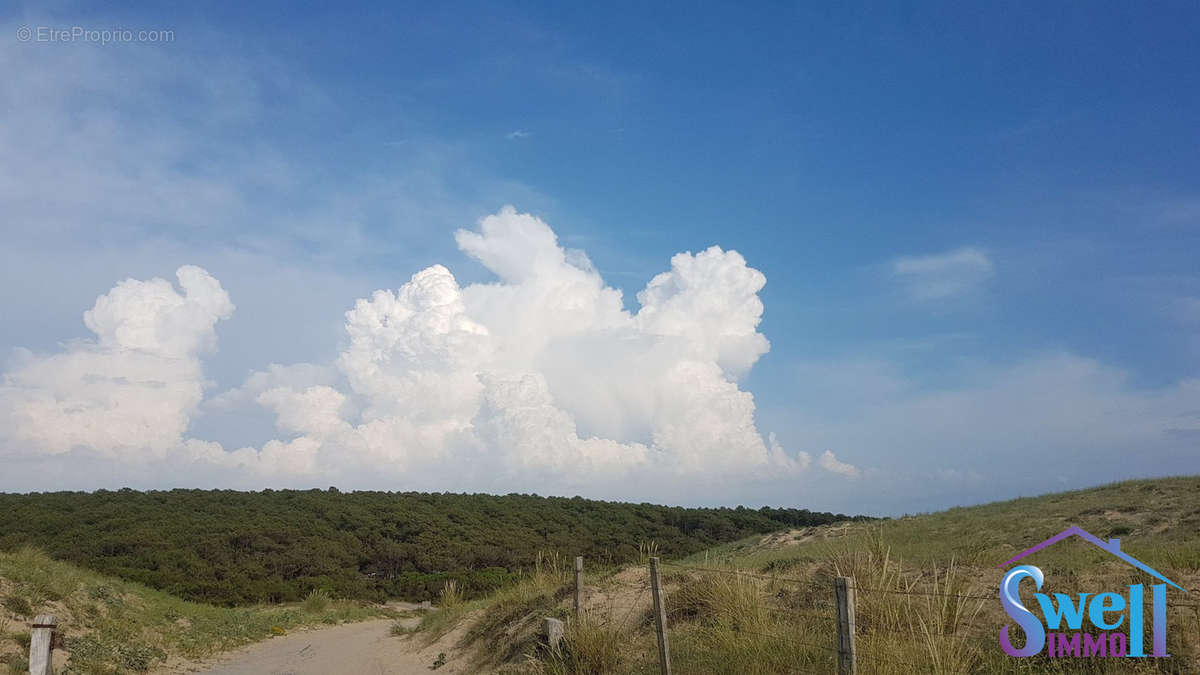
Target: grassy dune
(928,600)
(114,626)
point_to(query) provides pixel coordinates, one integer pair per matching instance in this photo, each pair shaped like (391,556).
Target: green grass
(935,559)
(115,626)
(927,599)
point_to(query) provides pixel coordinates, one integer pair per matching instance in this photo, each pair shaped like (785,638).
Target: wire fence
(794,630)
(827,618)
(799,624)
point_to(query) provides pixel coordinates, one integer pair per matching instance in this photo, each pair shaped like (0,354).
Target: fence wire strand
(801,614)
(869,589)
(864,630)
(925,593)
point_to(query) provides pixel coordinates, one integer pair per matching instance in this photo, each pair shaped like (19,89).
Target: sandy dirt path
(367,647)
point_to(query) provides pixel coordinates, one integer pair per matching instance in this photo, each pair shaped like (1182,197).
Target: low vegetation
(115,626)
(316,601)
(232,548)
(927,599)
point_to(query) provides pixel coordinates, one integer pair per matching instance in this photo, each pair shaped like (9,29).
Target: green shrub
(103,593)
(276,546)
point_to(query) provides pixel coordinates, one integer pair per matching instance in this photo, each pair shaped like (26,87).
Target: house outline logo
(1112,546)
(1079,643)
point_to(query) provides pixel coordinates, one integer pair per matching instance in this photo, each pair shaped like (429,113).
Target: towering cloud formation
(543,375)
(129,393)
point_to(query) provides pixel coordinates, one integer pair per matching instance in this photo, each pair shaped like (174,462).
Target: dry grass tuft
(450,596)
(316,601)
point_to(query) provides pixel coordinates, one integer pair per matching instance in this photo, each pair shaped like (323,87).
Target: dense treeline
(231,547)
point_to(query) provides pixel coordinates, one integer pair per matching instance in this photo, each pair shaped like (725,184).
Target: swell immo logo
(1056,626)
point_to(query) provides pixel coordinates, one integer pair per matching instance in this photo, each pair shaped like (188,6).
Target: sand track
(367,647)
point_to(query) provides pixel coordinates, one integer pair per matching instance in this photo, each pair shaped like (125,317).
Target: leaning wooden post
(578,585)
(660,618)
(843,588)
(41,642)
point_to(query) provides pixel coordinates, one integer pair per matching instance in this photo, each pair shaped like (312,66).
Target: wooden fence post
(843,588)
(41,642)
(578,585)
(554,633)
(660,618)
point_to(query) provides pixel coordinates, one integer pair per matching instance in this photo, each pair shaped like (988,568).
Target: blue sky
(958,209)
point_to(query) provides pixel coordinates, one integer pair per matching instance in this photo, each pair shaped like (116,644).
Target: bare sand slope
(367,647)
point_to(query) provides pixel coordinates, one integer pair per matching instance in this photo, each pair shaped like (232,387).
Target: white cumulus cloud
(541,377)
(832,464)
(130,392)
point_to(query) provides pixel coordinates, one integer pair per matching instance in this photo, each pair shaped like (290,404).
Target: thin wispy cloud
(518,135)
(943,276)
(1026,420)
